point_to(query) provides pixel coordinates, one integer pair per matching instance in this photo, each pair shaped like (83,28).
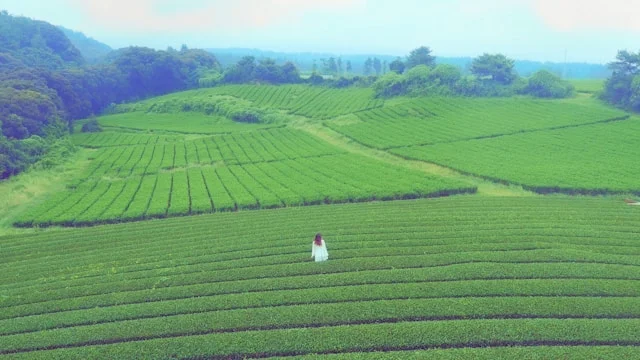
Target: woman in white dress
(319,249)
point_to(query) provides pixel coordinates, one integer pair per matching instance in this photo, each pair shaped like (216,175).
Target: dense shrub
(91,126)
(544,84)
(246,116)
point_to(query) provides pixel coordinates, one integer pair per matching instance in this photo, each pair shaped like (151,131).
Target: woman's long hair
(318,239)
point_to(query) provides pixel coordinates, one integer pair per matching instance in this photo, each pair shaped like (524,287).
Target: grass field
(424,274)
(498,271)
(589,86)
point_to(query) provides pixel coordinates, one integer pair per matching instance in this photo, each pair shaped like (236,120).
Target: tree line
(491,75)
(623,87)
(45,85)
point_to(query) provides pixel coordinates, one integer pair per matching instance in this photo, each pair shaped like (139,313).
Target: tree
(349,67)
(623,87)
(268,71)
(339,62)
(377,66)
(397,66)
(420,56)
(368,67)
(445,74)
(242,72)
(495,67)
(385,66)
(331,66)
(290,73)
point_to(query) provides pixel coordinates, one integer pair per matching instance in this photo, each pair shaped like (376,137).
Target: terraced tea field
(594,159)
(183,122)
(428,121)
(473,277)
(169,176)
(500,272)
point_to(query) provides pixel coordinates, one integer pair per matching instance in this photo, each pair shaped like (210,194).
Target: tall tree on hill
(420,56)
(332,66)
(377,66)
(496,67)
(385,66)
(368,67)
(339,63)
(349,68)
(623,87)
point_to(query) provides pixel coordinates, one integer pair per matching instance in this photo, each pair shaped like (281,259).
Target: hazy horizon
(538,30)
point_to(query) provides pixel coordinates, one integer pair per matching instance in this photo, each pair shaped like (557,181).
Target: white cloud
(577,15)
(198,15)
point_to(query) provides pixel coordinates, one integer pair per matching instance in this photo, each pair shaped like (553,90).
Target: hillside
(36,43)
(92,50)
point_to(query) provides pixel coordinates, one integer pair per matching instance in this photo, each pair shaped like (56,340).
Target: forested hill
(36,43)
(92,50)
(45,84)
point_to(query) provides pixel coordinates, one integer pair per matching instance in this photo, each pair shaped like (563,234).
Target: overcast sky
(589,30)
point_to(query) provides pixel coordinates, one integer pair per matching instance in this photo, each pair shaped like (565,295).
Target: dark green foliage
(91,126)
(397,66)
(623,87)
(495,67)
(41,81)
(420,56)
(247,116)
(315,79)
(36,43)
(544,84)
(265,71)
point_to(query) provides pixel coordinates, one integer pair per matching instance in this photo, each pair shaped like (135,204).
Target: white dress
(320,252)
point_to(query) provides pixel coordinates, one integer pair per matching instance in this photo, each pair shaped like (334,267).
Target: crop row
(463,272)
(225,261)
(304,100)
(305,181)
(577,352)
(112,138)
(438,120)
(254,147)
(73,313)
(387,336)
(592,159)
(393,218)
(179,122)
(442,267)
(359,312)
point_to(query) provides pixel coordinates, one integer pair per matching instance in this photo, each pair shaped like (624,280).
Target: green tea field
(474,228)
(487,277)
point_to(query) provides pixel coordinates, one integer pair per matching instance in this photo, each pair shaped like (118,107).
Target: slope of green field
(314,102)
(260,169)
(601,158)
(426,121)
(589,86)
(485,276)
